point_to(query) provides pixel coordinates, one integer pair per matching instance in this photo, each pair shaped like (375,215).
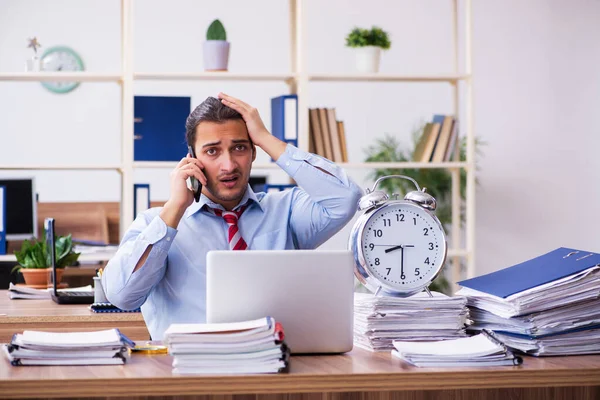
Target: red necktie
(236,241)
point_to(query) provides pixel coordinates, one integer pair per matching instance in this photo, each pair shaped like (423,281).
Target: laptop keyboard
(76,294)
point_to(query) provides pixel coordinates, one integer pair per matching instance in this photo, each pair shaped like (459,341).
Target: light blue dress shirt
(171,285)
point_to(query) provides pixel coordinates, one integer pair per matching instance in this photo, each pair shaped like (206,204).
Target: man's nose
(227,162)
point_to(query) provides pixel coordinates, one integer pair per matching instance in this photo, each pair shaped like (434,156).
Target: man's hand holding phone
(181,195)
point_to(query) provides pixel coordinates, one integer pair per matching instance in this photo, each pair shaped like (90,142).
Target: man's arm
(141,260)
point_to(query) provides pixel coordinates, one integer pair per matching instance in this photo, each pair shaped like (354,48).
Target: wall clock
(57,59)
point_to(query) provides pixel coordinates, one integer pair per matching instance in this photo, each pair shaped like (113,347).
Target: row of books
(438,140)
(327,136)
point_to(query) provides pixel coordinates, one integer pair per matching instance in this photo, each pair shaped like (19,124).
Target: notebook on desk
(70,297)
(311,292)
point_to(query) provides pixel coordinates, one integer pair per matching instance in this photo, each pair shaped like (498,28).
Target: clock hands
(400,246)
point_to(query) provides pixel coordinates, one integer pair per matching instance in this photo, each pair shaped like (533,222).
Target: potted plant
(216,48)
(34,260)
(367,45)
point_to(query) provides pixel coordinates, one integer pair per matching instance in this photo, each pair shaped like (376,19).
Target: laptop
(311,292)
(71,297)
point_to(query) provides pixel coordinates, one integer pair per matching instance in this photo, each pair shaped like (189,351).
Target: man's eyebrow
(211,144)
(241,141)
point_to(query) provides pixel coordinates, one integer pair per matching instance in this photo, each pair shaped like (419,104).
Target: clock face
(403,246)
(57,59)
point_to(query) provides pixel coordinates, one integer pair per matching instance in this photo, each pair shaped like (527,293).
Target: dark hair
(210,110)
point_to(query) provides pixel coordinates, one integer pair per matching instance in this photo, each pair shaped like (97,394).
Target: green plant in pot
(367,45)
(216,48)
(437,181)
(34,260)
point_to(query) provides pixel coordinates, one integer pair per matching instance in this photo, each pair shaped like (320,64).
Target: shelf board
(386,77)
(224,75)
(457,253)
(83,76)
(173,164)
(60,167)
(404,164)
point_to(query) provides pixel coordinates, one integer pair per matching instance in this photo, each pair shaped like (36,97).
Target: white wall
(536,87)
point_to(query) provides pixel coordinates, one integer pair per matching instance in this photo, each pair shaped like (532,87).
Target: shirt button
(287,163)
(168,239)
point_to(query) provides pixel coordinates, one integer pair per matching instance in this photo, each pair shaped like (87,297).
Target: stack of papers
(108,347)
(475,351)
(545,306)
(378,321)
(24,292)
(247,347)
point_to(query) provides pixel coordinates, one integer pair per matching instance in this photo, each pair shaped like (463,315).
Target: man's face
(227,154)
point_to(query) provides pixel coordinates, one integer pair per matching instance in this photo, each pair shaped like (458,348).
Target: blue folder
(549,267)
(284,120)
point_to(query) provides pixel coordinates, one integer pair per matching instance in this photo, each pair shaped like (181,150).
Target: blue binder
(284,118)
(549,267)
(2,219)
(141,198)
(159,126)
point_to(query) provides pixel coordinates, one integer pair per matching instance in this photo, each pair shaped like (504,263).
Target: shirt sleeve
(123,287)
(325,201)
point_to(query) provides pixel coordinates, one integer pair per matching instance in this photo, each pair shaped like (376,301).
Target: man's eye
(240,147)
(211,152)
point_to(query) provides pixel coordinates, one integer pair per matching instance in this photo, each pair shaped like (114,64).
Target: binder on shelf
(2,219)
(284,118)
(141,198)
(540,270)
(447,124)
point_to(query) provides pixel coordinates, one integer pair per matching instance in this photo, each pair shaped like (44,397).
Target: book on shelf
(328,134)
(106,347)
(438,140)
(446,127)
(255,346)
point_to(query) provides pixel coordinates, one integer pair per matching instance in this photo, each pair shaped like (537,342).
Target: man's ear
(253,152)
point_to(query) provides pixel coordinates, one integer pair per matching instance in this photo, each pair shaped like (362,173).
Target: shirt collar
(249,196)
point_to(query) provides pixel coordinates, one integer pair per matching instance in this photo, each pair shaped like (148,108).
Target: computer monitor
(21,208)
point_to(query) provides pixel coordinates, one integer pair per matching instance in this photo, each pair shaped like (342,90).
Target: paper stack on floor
(545,306)
(476,351)
(24,292)
(70,348)
(380,320)
(246,347)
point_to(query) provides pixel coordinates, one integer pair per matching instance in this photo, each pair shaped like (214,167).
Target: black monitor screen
(20,208)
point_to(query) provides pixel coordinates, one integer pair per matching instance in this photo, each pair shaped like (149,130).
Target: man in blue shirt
(161,262)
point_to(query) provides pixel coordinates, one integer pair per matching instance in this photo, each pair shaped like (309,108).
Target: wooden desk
(46,315)
(357,375)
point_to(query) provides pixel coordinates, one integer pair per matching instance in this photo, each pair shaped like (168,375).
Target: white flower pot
(367,58)
(34,64)
(216,55)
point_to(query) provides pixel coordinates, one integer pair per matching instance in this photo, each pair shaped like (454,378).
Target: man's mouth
(229,181)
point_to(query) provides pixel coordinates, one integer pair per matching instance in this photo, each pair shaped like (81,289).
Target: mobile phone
(193,182)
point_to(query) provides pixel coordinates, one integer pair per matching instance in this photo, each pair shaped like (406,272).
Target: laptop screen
(51,250)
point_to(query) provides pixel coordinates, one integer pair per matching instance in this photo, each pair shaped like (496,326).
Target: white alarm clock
(399,246)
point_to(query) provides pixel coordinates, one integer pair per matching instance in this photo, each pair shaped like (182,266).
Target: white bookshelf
(298,80)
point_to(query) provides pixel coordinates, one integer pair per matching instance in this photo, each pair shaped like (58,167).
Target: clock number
(389,269)
(371,246)
(427,261)
(414,221)
(430,246)
(417,272)
(399,217)
(378,232)
(377,261)
(387,222)
(402,276)
(426,232)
